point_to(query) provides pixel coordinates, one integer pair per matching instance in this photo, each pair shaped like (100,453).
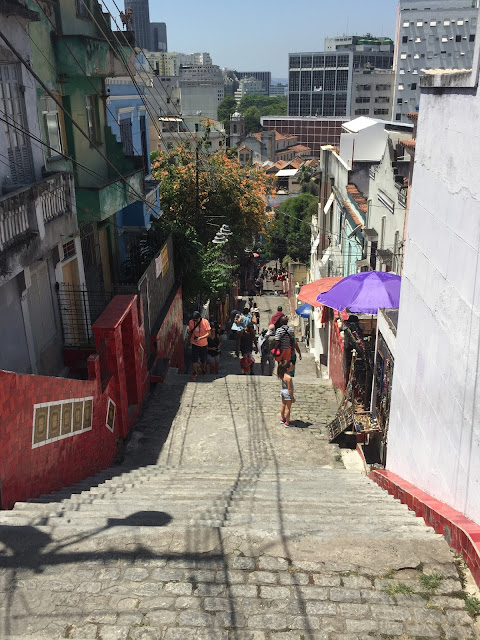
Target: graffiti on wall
(170,334)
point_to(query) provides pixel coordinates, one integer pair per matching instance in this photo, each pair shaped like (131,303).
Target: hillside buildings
(322,84)
(150,36)
(158,36)
(264,76)
(438,34)
(311,131)
(139,13)
(250,86)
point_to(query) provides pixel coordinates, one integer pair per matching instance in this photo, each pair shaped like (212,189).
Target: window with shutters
(41,306)
(126,135)
(51,122)
(12,105)
(93,119)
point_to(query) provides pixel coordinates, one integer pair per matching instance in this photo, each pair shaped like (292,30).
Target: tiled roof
(357,197)
(353,214)
(413,115)
(409,144)
(244,147)
(277,166)
(280,136)
(298,147)
(258,136)
(296,162)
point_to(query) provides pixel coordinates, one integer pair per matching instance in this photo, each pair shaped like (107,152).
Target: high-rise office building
(140,24)
(432,34)
(321,83)
(158,36)
(264,76)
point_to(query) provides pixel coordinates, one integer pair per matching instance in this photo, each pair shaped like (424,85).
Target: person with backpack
(284,337)
(266,342)
(199,331)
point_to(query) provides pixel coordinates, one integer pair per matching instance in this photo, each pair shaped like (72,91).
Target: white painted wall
(366,145)
(434,434)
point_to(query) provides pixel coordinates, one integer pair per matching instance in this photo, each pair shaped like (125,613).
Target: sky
(257,35)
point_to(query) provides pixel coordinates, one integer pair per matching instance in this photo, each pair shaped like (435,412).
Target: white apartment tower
(431,34)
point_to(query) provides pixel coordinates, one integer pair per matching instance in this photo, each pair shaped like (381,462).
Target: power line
(126,63)
(71,53)
(70,117)
(87,213)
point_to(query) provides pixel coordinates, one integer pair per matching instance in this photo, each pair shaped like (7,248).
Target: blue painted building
(128,120)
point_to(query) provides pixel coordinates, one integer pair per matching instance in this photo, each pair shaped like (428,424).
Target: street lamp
(225,230)
(220,238)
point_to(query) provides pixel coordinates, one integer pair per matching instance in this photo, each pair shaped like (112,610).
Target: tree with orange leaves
(227,193)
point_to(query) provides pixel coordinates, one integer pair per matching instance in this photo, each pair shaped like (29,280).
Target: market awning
(309,292)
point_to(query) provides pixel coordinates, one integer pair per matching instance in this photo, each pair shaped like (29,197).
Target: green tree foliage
(275,105)
(226,108)
(252,119)
(255,106)
(227,193)
(289,233)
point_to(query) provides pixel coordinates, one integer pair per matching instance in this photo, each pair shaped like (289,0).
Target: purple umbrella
(364,292)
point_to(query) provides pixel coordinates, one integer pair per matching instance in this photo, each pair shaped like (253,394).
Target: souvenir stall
(362,294)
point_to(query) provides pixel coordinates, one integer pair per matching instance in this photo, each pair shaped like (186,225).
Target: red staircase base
(461,533)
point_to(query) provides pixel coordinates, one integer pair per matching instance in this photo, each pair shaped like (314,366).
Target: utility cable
(187,138)
(70,117)
(125,62)
(73,56)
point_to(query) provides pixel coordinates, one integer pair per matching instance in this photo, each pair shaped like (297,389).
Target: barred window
(328,104)
(306,62)
(295,62)
(294,83)
(341,104)
(306,81)
(342,80)
(330,81)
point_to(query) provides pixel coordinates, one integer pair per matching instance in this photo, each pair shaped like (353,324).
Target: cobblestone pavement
(221,524)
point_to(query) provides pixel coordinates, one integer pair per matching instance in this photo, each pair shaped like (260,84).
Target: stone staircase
(324,503)
(222,524)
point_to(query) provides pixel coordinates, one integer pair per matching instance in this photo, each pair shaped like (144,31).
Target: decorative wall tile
(111,410)
(40,421)
(61,419)
(77,416)
(54,416)
(87,415)
(67,412)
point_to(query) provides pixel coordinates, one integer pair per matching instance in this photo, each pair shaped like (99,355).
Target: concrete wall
(366,145)
(204,98)
(13,345)
(434,435)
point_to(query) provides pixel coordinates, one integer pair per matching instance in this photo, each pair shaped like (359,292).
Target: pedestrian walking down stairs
(221,524)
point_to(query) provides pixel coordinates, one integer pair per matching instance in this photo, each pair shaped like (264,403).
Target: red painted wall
(27,469)
(336,358)
(168,342)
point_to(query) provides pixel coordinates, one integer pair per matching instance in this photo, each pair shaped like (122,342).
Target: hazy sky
(257,35)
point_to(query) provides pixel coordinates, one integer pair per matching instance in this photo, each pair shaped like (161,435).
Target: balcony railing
(28,209)
(58,198)
(13,224)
